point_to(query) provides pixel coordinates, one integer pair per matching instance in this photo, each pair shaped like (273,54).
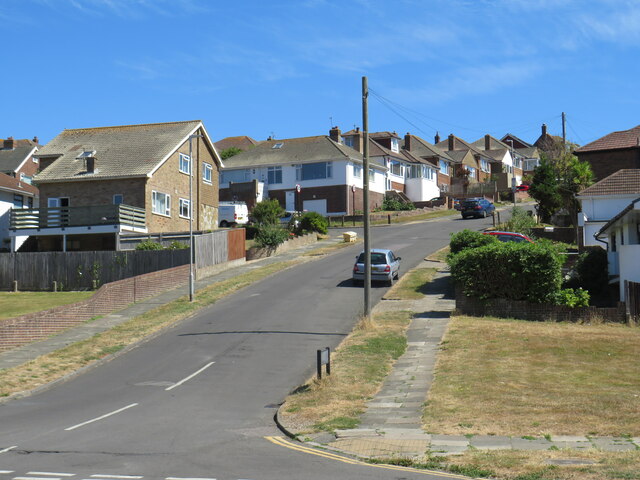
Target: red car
(522,188)
(510,236)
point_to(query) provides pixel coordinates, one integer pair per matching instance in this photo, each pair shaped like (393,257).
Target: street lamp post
(191,252)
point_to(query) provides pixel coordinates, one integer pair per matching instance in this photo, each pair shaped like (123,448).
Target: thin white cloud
(622,25)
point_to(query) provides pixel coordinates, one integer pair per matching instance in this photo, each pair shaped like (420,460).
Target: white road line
(52,474)
(187,478)
(133,477)
(189,377)
(100,418)
(36,478)
(5,450)
(6,471)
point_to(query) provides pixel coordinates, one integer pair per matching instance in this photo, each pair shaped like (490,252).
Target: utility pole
(564,130)
(365,201)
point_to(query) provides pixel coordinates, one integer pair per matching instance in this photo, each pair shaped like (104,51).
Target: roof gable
(614,141)
(11,159)
(622,182)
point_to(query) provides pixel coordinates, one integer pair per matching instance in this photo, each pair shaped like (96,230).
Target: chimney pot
(452,142)
(436,139)
(334,134)
(35,139)
(357,129)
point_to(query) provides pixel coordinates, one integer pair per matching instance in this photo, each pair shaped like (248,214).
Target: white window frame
(357,171)
(274,173)
(184,164)
(395,145)
(444,167)
(121,199)
(207,172)
(328,171)
(184,203)
(372,175)
(167,203)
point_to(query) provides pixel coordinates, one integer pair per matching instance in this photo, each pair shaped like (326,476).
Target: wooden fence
(37,271)
(632,297)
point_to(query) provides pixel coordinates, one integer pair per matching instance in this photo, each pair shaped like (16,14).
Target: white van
(232,214)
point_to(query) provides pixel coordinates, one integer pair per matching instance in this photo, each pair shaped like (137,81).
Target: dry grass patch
(411,287)
(358,368)
(510,377)
(509,464)
(21,303)
(440,255)
(55,365)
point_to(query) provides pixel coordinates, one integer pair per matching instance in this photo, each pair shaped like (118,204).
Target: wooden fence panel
(7,264)
(236,240)
(211,249)
(633,300)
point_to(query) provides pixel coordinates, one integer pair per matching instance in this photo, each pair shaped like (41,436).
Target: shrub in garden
(149,245)
(520,221)
(592,270)
(313,222)
(516,271)
(572,297)
(176,245)
(393,204)
(267,212)
(469,239)
(271,236)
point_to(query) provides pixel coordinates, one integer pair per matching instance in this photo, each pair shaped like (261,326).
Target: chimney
(9,143)
(407,141)
(269,138)
(436,139)
(452,142)
(487,142)
(334,134)
(358,141)
(35,139)
(544,129)
(91,164)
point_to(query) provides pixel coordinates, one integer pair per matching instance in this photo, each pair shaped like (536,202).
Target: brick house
(613,152)
(97,183)
(430,174)
(505,160)
(17,158)
(551,145)
(529,153)
(327,172)
(603,200)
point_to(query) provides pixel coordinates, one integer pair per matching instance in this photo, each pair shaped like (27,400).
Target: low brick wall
(110,297)
(537,312)
(257,252)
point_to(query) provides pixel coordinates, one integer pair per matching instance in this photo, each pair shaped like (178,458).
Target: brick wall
(110,297)
(604,163)
(537,312)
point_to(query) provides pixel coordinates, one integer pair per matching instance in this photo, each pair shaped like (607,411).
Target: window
(415,171)
(357,171)
(372,175)
(235,176)
(118,199)
(278,145)
(161,203)
(206,172)
(472,172)
(484,165)
(394,145)
(348,141)
(54,202)
(313,171)
(18,201)
(444,167)
(274,175)
(30,202)
(396,168)
(185,164)
(185,208)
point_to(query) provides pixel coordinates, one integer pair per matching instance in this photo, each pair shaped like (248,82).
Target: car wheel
(484,214)
(224,224)
(390,282)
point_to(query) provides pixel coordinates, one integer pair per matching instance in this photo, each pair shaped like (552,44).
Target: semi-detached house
(309,173)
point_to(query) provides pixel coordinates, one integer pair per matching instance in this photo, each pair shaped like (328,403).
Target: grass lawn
(510,377)
(20,303)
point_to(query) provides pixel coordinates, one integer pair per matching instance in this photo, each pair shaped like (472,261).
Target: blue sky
(294,68)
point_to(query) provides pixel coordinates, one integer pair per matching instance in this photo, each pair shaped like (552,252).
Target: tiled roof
(12,184)
(383,135)
(293,150)
(121,151)
(529,152)
(517,139)
(614,141)
(243,142)
(622,182)
(421,148)
(11,159)
(461,144)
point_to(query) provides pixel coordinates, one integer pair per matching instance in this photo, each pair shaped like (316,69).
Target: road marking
(6,471)
(100,418)
(189,377)
(187,478)
(52,474)
(332,456)
(133,477)
(36,478)
(5,450)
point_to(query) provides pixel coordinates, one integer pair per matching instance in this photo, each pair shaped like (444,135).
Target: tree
(545,190)
(267,212)
(230,152)
(575,175)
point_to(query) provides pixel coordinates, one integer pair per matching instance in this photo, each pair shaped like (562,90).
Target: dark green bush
(469,239)
(271,236)
(516,271)
(313,222)
(251,231)
(592,270)
(267,212)
(149,245)
(176,245)
(394,204)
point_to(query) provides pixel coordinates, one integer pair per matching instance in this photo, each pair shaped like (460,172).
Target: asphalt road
(199,400)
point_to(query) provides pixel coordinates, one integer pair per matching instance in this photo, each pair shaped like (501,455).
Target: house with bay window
(319,174)
(99,183)
(430,171)
(507,163)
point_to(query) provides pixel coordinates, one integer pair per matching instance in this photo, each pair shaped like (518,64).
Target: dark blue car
(476,207)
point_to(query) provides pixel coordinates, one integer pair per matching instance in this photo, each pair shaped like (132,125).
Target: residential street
(198,401)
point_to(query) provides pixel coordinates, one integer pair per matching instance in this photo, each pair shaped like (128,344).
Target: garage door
(319,206)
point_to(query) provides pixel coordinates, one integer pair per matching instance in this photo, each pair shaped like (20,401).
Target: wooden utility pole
(365,198)
(564,130)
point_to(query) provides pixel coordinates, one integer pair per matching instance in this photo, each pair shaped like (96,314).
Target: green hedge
(313,222)
(469,239)
(516,271)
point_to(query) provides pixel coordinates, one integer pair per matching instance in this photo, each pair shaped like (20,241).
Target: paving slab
(490,442)
(534,444)
(613,444)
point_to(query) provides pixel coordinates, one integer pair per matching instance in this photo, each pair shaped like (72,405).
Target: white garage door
(319,206)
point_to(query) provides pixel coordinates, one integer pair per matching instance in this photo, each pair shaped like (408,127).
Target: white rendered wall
(629,265)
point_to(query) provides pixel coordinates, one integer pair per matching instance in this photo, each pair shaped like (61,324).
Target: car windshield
(470,203)
(376,258)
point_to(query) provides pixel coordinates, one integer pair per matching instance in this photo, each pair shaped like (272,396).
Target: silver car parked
(385,266)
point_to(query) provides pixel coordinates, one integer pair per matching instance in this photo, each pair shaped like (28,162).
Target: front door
(290,201)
